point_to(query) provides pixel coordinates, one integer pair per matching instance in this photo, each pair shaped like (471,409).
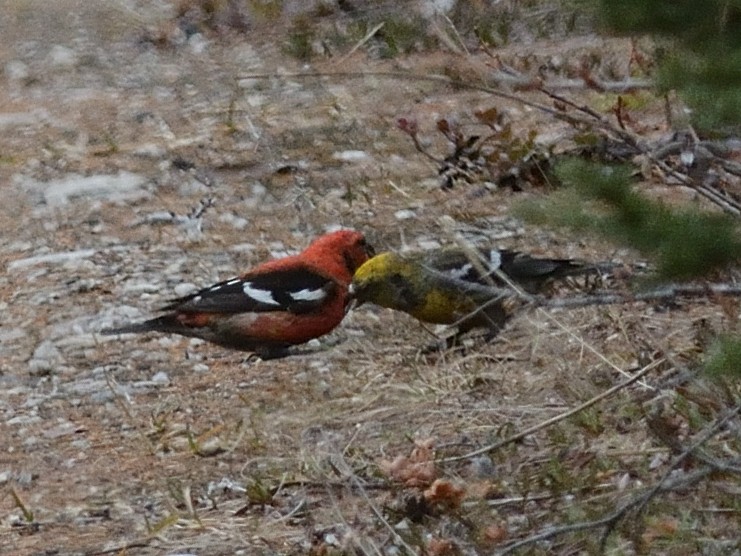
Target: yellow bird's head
(386,280)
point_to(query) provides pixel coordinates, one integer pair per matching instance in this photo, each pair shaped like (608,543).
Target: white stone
(351,156)
(430,8)
(121,186)
(184,289)
(429,244)
(161,377)
(46,358)
(404,214)
(20,119)
(197,43)
(15,70)
(62,57)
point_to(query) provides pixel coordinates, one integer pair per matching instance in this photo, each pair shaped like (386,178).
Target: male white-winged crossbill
(449,286)
(278,304)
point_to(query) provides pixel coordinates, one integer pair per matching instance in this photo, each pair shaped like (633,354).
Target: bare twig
(655,156)
(425,152)
(545,424)
(729,205)
(124,403)
(121,549)
(625,86)
(457,34)
(361,42)
(664,484)
(624,135)
(586,345)
(730,166)
(669,291)
(667,483)
(432,78)
(669,486)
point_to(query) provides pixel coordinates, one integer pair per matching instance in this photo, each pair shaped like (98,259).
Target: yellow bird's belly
(441,308)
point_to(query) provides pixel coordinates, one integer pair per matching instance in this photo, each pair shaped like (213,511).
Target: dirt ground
(112,142)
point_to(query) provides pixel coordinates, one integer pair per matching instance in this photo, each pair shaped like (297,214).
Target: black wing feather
(522,268)
(277,290)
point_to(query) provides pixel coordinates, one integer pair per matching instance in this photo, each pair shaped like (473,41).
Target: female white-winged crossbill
(405,284)
(467,288)
(278,304)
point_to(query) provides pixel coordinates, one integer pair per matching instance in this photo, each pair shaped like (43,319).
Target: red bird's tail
(174,323)
(165,323)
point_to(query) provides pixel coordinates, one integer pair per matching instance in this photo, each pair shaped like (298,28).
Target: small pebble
(184,289)
(404,214)
(161,377)
(351,156)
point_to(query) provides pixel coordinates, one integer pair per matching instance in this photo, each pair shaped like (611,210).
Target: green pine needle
(685,243)
(725,359)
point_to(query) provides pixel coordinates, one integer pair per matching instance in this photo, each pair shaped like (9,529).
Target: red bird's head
(345,250)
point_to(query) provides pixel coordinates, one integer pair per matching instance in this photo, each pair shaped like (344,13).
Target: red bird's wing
(296,290)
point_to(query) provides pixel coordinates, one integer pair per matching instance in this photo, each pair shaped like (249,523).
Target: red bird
(278,304)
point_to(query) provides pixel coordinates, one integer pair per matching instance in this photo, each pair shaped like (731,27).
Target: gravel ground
(133,173)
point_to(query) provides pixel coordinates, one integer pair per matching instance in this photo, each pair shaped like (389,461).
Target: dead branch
(589,118)
(729,205)
(665,292)
(574,120)
(676,484)
(662,293)
(545,424)
(596,117)
(121,549)
(518,81)
(667,483)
